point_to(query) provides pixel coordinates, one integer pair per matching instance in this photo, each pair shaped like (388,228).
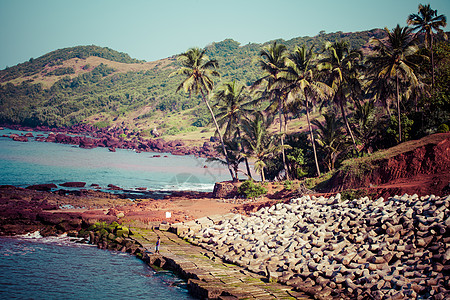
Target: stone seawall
(370,249)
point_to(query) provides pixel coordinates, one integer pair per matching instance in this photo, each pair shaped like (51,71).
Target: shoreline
(362,251)
(88,137)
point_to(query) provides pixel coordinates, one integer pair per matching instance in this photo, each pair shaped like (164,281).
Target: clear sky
(151,30)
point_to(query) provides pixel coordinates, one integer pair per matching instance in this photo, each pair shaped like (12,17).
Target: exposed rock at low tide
(75,184)
(88,136)
(42,187)
(368,249)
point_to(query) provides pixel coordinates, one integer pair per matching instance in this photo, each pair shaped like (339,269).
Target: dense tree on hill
(53,58)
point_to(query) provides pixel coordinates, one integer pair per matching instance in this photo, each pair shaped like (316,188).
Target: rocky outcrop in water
(394,249)
(88,137)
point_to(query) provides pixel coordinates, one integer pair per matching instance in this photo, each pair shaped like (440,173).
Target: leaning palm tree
(395,61)
(426,21)
(272,62)
(303,86)
(198,70)
(233,102)
(340,67)
(259,142)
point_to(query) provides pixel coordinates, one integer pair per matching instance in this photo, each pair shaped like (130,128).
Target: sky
(152,30)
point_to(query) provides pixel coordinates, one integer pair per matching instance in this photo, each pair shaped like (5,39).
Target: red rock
(74,184)
(114,187)
(42,187)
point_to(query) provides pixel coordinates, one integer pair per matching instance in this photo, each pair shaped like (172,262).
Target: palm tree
(272,62)
(366,120)
(426,21)
(340,68)
(395,61)
(259,142)
(198,71)
(233,101)
(303,86)
(330,138)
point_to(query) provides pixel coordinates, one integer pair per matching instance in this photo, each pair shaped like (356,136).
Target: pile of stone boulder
(360,249)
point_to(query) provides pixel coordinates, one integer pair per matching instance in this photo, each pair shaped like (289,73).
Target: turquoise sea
(27,163)
(56,268)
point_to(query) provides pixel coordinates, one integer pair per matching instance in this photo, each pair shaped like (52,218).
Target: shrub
(250,189)
(288,185)
(102,124)
(443,128)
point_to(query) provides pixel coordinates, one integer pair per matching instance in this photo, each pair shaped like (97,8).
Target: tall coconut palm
(272,62)
(233,102)
(395,61)
(198,71)
(259,142)
(340,66)
(427,20)
(302,85)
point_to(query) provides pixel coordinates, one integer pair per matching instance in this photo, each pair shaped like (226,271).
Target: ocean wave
(189,186)
(62,239)
(30,235)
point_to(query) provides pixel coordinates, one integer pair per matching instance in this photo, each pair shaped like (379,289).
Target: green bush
(443,128)
(249,189)
(288,185)
(102,124)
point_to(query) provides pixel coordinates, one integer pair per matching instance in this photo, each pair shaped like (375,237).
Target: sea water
(56,268)
(27,163)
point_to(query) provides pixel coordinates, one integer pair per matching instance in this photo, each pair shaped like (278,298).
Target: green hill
(106,87)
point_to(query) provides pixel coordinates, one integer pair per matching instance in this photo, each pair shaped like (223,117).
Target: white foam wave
(31,235)
(188,186)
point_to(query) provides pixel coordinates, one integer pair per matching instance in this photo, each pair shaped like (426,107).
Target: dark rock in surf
(42,187)
(75,184)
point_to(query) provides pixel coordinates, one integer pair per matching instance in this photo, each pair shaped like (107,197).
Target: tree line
(366,102)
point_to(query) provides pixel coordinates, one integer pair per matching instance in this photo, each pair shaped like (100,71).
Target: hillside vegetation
(100,85)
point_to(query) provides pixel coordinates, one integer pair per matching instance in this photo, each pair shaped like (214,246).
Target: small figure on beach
(158,242)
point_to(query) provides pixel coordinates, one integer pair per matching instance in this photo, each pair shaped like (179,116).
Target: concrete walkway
(208,276)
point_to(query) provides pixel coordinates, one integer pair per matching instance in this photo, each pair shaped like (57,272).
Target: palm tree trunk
(398,112)
(282,141)
(243,151)
(347,125)
(312,138)
(432,63)
(233,177)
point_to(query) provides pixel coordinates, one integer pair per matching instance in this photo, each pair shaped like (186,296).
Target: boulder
(42,187)
(74,184)
(226,189)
